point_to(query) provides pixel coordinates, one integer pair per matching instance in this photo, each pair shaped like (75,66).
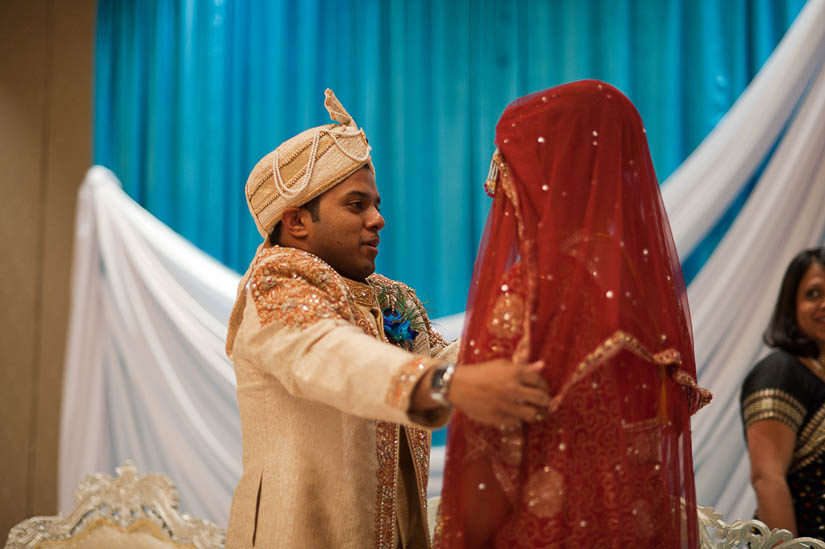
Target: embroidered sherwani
(331,455)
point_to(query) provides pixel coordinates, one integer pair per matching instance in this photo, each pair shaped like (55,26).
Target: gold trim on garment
(810,444)
(400,388)
(386,445)
(622,341)
(362,293)
(285,161)
(337,178)
(773,404)
(297,289)
(404,380)
(419,442)
(522,350)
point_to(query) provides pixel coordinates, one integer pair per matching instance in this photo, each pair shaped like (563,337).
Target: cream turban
(306,166)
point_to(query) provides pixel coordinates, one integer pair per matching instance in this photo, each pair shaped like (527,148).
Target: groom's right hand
(500,393)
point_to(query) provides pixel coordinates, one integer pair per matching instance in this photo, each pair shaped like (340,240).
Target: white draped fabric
(703,187)
(146,377)
(732,297)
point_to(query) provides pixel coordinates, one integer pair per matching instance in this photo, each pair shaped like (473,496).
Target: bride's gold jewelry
(492,176)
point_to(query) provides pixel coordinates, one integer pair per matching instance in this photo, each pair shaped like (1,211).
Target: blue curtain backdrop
(190,94)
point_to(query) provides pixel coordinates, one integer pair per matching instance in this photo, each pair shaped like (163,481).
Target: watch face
(440,384)
(437,385)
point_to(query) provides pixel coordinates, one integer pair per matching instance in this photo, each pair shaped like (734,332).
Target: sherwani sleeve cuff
(404,383)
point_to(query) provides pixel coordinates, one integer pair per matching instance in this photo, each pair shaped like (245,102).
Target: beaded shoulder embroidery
(297,289)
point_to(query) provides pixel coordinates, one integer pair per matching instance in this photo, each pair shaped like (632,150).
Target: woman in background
(783,405)
(577,267)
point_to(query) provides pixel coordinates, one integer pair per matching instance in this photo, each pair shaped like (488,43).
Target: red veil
(577,267)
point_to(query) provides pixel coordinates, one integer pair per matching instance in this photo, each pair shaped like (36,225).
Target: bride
(577,267)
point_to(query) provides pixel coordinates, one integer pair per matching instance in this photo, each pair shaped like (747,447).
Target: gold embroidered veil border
(622,341)
(609,348)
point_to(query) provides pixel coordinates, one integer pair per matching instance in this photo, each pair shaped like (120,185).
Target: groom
(340,375)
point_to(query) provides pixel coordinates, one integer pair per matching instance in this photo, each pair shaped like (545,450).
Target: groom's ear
(295,223)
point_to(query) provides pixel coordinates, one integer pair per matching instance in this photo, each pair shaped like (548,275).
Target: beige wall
(45,148)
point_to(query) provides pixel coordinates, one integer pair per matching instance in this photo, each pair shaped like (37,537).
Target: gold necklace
(818,365)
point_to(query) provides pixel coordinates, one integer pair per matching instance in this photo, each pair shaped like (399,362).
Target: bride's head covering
(577,266)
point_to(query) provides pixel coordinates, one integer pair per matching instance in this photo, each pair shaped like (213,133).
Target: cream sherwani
(331,456)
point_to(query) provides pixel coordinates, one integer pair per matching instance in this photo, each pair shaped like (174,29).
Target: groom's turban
(305,166)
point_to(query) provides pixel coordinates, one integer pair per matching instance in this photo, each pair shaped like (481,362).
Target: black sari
(782,388)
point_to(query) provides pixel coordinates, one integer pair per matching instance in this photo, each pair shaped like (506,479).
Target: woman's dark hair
(783,331)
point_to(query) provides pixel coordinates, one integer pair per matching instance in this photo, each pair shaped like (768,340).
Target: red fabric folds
(577,266)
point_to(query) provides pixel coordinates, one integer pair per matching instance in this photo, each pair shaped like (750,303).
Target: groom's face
(345,234)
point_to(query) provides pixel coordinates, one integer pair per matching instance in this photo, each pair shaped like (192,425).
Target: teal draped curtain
(190,94)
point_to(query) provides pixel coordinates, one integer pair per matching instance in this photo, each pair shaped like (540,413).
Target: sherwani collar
(362,292)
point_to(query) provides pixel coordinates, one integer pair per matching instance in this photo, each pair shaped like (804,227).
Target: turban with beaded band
(306,166)
(301,168)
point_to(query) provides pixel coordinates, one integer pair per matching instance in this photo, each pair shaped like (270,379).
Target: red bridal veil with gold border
(577,267)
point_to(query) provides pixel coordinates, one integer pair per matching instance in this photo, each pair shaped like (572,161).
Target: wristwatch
(440,383)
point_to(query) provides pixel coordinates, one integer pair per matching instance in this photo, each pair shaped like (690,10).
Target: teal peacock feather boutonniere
(402,318)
